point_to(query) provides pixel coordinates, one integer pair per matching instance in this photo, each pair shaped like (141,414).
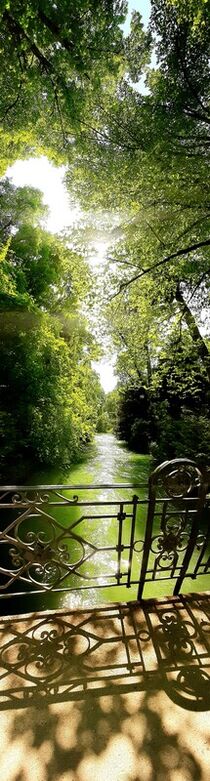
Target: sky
(143,6)
(40,173)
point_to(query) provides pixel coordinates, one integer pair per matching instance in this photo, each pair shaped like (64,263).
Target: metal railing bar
(28,505)
(131,543)
(192,538)
(202,553)
(68,589)
(120,518)
(95,518)
(168,577)
(71,486)
(113,503)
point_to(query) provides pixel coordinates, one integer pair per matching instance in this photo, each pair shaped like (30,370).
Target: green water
(108,462)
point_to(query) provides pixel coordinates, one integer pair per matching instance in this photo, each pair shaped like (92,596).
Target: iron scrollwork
(44,556)
(172,540)
(181,481)
(39,497)
(48,540)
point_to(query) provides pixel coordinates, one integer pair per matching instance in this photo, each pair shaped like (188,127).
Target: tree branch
(192,225)
(123,262)
(155,234)
(16,27)
(55,30)
(11,106)
(193,329)
(205,274)
(167,259)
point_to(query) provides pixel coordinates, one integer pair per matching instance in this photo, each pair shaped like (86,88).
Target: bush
(140,435)
(186,436)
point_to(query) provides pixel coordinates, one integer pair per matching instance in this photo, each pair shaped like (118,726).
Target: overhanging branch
(167,259)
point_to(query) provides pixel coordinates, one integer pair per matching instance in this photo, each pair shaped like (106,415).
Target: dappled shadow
(98,693)
(124,647)
(116,736)
(179,631)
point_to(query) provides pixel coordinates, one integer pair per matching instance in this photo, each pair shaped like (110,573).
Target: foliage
(111,408)
(53,60)
(187,436)
(168,416)
(66,86)
(133,421)
(154,169)
(49,393)
(197,11)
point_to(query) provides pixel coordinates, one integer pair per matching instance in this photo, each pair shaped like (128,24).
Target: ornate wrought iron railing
(62,538)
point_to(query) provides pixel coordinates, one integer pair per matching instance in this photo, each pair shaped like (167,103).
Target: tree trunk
(149,366)
(194,330)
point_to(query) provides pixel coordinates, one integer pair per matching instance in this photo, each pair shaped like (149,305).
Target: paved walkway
(119,693)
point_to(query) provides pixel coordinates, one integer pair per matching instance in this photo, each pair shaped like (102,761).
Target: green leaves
(50,395)
(65,87)
(137,47)
(53,61)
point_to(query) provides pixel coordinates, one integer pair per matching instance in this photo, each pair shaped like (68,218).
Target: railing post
(132,533)
(193,535)
(148,536)
(178,478)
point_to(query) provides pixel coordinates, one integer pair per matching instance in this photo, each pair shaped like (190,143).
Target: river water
(108,462)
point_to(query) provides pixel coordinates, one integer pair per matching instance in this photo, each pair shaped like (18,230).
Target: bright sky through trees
(42,174)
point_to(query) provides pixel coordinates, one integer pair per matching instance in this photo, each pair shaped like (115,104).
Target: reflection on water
(113,463)
(109,461)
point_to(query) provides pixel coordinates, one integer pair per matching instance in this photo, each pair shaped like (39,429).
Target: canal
(109,461)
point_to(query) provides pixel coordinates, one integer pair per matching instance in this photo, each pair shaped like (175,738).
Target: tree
(53,61)
(111,407)
(144,155)
(49,393)
(18,205)
(155,171)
